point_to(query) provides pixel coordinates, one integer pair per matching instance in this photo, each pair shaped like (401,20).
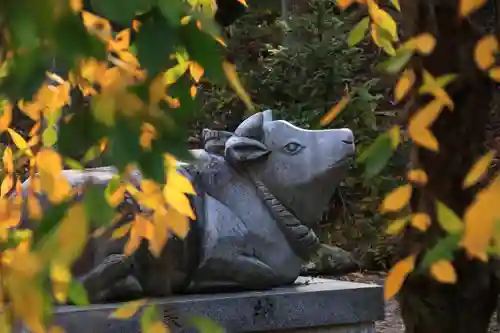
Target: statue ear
(214,141)
(241,149)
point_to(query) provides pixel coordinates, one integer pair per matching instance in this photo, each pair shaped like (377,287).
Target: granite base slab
(311,305)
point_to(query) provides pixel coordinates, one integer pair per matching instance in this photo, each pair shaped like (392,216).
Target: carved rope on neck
(302,239)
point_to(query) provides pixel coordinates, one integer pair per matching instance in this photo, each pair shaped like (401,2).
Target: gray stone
(312,305)
(331,260)
(256,204)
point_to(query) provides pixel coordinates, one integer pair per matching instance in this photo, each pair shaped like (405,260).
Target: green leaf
(155,41)
(74,42)
(205,50)
(79,133)
(148,316)
(92,153)
(77,293)
(121,11)
(49,137)
(358,32)
(96,207)
(396,63)
(73,164)
(152,165)
(124,146)
(396,5)
(442,250)
(204,324)
(26,75)
(50,221)
(173,10)
(376,157)
(447,218)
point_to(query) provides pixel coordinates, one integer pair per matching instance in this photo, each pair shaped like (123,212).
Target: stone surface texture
(311,304)
(358,328)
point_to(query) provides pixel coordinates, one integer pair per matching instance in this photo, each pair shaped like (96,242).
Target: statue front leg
(231,273)
(112,281)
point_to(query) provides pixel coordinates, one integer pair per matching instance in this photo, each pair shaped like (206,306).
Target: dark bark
(428,306)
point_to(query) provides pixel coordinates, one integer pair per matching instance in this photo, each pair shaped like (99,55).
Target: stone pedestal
(310,306)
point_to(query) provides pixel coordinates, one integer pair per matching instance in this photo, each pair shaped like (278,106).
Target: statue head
(300,167)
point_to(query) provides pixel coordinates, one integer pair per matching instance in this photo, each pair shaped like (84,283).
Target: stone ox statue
(260,190)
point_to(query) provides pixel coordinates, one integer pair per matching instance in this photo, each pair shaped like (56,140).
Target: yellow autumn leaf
(469,6)
(484,208)
(72,234)
(435,87)
(121,231)
(142,228)
(396,5)
(128,309)
(8,160)
(485,51)
(396,226)
(20,142)
(115,198)
(7,185)
(234,81)
(177,181)
(421,221)
(61,277)
(6,117)
(179,201)
(419,123)
(447,218)
(160,234)
(381,41)
(397,199)
(76,5)
(404,84)
(417,176)
(334,111)
(343,4)
(384,21)
(426,116)
(423,137)
(27,301)
(121,42)
(56,329)
(443,272)
(34,207)
(397,275)
(395,136)
(196,71)
(193,91)
(5,321)
(157,326)
(494,73)
(148,134)
(178,223)
(151,195)
(49,164)
(478,170)
(423,43)
(97,25)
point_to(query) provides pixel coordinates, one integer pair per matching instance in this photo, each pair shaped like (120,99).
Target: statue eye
(293,147)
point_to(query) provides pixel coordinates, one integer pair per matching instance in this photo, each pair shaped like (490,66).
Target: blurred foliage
(95,77)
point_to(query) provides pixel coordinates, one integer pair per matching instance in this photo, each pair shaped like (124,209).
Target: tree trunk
(428,306)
